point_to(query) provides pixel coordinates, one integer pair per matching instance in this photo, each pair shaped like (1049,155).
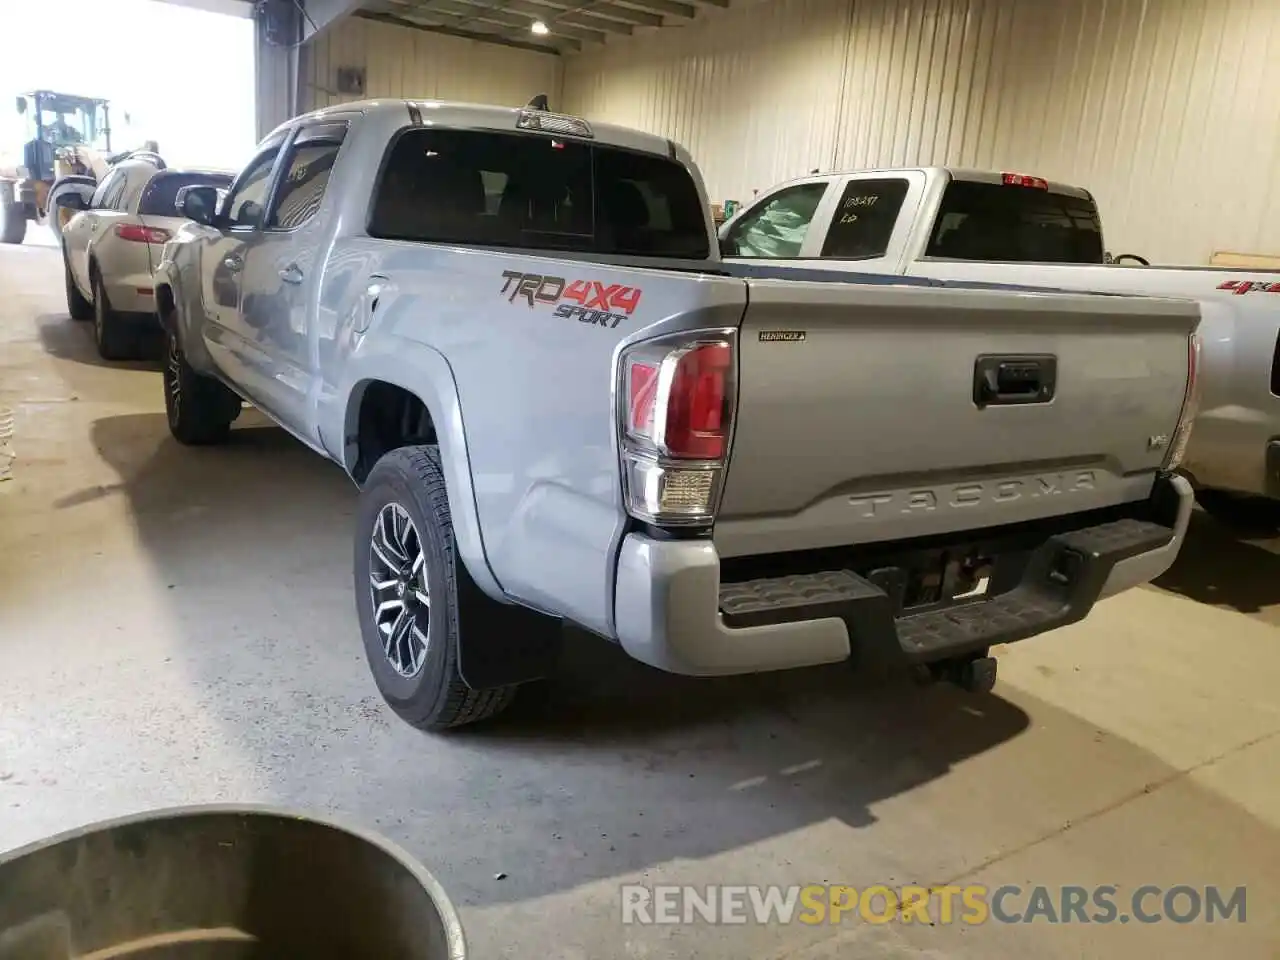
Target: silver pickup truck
(512,329)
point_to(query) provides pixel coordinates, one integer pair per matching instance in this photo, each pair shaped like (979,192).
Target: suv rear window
(1015,224)
(520,190)
(161,192)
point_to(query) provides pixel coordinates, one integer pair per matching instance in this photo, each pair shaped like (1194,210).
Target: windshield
(67,121)
(1015,224)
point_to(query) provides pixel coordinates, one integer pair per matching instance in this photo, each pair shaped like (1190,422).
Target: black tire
(114,335)
(435,697)
(77,306)
(200,410)
(1239,512)
(13,222)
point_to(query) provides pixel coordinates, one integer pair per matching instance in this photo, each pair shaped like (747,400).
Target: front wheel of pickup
(199,409)
(407,597)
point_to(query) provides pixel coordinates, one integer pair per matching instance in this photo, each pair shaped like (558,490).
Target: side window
(778,226)
(108,186)
(308,167)
(114,200)
(864,219)
(130,190)
(247,199)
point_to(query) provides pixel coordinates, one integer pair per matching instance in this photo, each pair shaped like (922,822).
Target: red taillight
(140,234)
(680,395)
(678,403)
(1022,180)
(695,407)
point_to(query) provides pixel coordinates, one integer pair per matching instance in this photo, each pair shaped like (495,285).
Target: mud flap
(502,643)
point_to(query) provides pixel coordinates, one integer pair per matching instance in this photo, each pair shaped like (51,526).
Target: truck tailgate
(859,419)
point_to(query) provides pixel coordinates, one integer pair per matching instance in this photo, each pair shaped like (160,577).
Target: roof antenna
(539,103)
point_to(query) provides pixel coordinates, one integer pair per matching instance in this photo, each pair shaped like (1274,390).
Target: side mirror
(71,201)
(250,213)
(198,203)
(727,248)
(21,104)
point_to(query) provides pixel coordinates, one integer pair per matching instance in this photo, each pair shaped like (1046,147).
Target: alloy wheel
(99,310)
(398,586)
(173,377)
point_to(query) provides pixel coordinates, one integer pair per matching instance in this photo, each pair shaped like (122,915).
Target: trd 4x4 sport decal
(1241,287)
(591,301)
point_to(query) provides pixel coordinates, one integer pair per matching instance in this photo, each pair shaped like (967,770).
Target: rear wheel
(13,222)
(115,336)
(77,306)
(200,410)
(407,596)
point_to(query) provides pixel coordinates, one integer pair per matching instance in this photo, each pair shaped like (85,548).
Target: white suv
(112,246)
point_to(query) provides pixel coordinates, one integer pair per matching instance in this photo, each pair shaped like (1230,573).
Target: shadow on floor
(1217,567)
(69,339)
(607,768)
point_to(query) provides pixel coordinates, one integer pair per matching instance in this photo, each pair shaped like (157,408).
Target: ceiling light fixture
(539,28)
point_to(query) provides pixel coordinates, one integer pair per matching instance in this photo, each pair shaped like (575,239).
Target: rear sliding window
(518,190)
(1015,224)
(161,193)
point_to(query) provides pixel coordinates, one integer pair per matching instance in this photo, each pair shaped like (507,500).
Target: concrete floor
(176,626)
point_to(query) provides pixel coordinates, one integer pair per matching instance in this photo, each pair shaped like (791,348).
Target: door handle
(233,262)
(291,274)
(1007,379)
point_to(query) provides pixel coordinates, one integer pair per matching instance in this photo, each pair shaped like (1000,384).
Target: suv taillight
(677,399)
(141,234)
(1190,406)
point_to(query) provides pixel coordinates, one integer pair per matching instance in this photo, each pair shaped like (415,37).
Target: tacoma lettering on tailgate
(593,301)
(961,495)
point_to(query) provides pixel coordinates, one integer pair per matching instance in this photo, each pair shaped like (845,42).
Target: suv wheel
(112,334)
(199,409)
(77,306)
(407,594)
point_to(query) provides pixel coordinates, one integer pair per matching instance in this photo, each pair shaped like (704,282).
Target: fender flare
(169,274)
(424,372)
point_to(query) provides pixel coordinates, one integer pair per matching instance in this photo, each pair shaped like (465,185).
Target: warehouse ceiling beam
(320,15)
(600,10)
(556,16)
(495,23)
(667,8)
(502,19)
(474,34)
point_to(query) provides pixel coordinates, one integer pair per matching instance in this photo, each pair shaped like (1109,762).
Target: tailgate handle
(1003,379)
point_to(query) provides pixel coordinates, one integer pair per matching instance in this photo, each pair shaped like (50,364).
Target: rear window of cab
(488,188)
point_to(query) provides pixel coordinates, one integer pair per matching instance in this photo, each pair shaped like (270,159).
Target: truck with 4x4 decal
(511,328)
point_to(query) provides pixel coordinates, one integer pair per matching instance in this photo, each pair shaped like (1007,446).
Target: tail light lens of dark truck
(676,402)
(1190,406)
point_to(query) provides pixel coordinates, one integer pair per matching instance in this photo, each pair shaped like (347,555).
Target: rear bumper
(131,293)
(673,611)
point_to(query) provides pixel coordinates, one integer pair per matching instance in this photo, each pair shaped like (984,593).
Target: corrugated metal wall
(402,62)
(1165,109)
